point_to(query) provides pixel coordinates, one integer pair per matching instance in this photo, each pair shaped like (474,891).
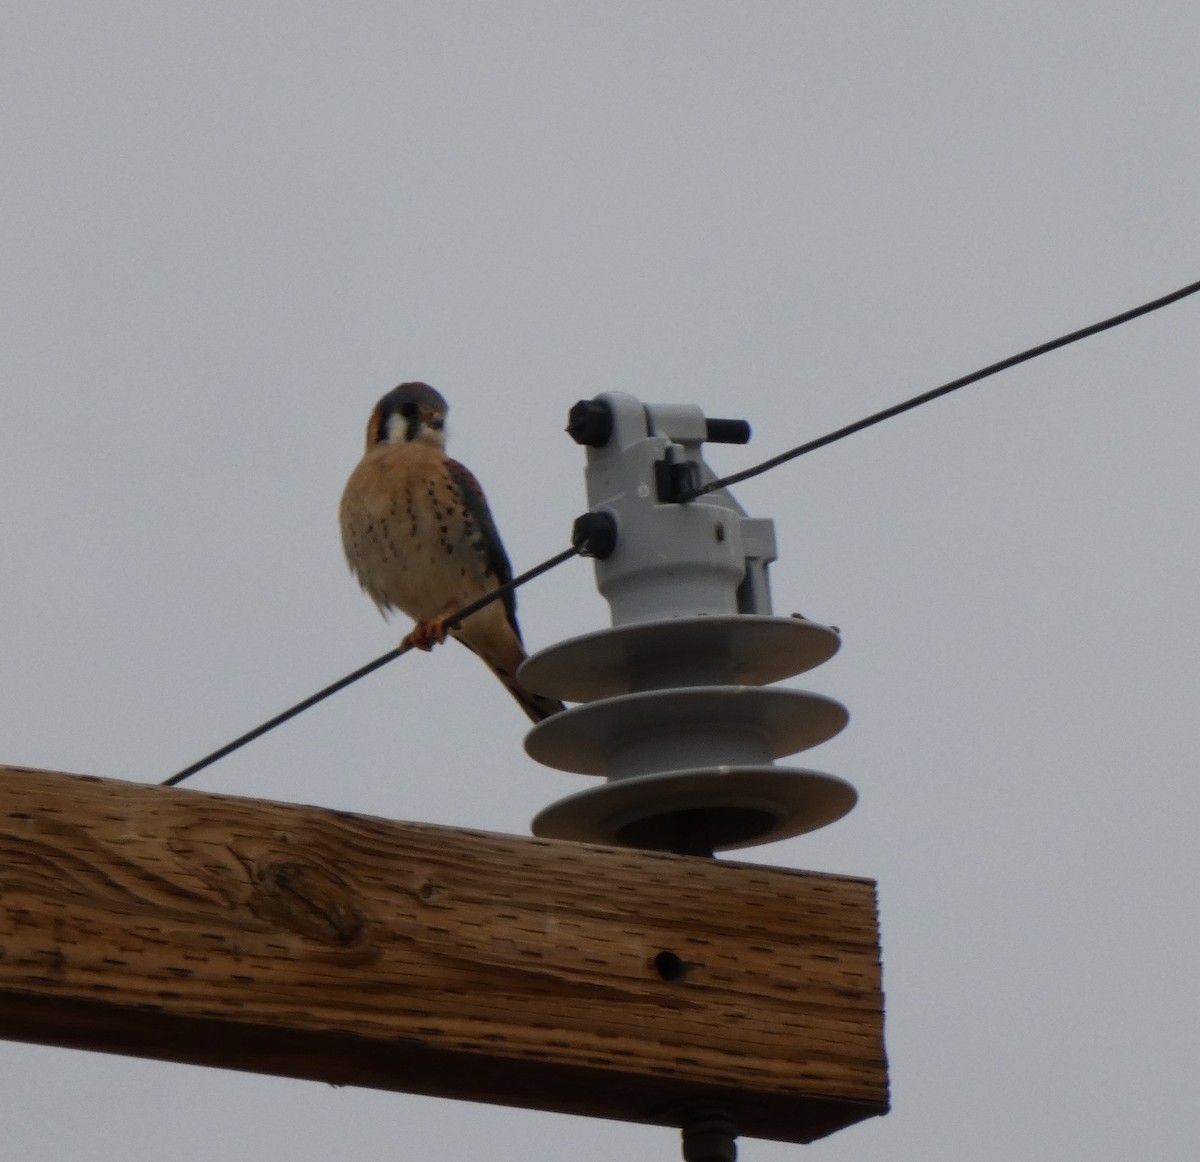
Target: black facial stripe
(381,425)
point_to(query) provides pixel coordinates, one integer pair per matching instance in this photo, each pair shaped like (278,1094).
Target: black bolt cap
(595,534)
(727,431)
(590,422)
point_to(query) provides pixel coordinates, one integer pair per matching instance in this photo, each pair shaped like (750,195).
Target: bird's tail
(489,634)
(537,706)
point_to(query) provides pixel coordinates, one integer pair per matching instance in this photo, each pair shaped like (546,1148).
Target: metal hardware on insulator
(727,431)
(595,534)
(677,711)
(590,422)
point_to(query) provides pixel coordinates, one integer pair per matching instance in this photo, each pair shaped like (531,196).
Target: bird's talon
(425,635)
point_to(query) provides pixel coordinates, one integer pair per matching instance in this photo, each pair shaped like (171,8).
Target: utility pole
(608,966)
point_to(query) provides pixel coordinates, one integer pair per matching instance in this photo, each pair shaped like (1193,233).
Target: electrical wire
(945,389)
(581,543)
(453,620)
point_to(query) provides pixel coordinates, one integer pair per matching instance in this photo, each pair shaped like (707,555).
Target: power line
(453,620)
(585,531)
(945,389)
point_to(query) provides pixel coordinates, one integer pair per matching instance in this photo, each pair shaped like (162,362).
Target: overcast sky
(228,228)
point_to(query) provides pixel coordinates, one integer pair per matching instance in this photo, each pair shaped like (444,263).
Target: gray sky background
(228,228)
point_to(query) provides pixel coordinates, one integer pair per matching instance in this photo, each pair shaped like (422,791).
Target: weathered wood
(312,943)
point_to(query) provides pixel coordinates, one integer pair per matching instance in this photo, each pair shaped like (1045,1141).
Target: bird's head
(412,411)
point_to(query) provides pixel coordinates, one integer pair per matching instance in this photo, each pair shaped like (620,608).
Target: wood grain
(313,943)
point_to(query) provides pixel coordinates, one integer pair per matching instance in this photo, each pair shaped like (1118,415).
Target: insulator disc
(742,650)
(705,725)
(697,812)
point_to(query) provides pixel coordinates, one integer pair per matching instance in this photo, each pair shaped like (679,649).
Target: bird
(419,538)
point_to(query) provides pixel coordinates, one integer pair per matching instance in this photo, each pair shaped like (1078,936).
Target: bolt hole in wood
(670,966)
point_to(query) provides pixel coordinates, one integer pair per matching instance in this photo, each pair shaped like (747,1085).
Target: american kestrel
(419,537)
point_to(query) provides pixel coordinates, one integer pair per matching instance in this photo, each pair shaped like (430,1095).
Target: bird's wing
(476,506)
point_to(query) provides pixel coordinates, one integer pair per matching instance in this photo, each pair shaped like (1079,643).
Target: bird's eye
(437,423)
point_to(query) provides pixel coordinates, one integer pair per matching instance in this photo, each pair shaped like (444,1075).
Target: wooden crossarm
(245,934)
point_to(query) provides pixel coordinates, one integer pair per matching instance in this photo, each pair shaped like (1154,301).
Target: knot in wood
(308,900)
